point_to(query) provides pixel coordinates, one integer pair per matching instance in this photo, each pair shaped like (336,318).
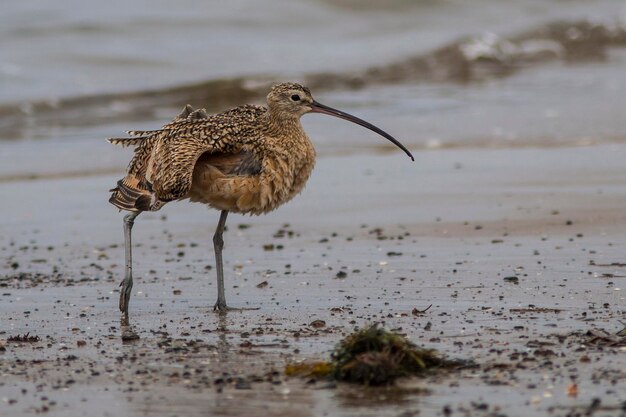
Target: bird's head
(292,100)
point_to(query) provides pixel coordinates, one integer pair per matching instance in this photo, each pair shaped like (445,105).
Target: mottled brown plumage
(248,160)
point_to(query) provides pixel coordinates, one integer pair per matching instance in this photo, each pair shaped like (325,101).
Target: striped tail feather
(124,142)
(143,134)
(189,114)
(132,198)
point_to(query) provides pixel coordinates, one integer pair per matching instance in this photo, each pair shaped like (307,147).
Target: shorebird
(247,160)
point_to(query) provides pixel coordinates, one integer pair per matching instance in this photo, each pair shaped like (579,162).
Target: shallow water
(68,48)
(433,73)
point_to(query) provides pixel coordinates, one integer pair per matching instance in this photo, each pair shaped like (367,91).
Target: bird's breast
(283,175)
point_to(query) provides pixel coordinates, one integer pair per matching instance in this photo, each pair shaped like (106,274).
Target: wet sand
(521,253)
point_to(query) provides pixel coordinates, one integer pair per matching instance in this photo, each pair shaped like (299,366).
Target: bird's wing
(162,166)
(227,136)
(241,163)
(134,192)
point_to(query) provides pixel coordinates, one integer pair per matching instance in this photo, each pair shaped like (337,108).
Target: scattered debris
(25,338)
(417,312)
(593,407)
(612,264)
(514,280)
(262,284)
(604,338)
(535,310)
(608,275)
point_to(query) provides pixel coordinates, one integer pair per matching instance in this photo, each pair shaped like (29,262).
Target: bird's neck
(283,125)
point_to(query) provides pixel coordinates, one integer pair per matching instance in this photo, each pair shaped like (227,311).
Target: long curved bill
(320,108)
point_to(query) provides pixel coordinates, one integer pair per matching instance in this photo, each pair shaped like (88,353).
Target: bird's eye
(295,97)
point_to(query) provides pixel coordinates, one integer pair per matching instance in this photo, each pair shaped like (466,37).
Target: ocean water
(435,73)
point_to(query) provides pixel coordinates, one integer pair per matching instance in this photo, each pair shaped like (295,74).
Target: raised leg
(218,245)
(127,284)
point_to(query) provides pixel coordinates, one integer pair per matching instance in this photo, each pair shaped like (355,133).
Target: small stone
(318,324)
(514,280)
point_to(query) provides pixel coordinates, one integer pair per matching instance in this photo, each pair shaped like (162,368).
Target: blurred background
(434,73)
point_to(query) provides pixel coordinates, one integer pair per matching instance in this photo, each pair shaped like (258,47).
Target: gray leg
(127,284)
(218,245)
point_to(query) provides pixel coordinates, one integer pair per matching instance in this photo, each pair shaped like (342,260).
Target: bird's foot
(128,332)
(125,292)
(223,308)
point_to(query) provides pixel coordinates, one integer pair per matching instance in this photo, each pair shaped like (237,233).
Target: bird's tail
(131,195)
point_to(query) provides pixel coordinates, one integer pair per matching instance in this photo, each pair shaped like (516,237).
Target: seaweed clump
(374,356)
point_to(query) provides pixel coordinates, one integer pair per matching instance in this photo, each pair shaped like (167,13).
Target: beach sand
(520,252)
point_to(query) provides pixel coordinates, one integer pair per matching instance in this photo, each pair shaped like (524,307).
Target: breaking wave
(468,60)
